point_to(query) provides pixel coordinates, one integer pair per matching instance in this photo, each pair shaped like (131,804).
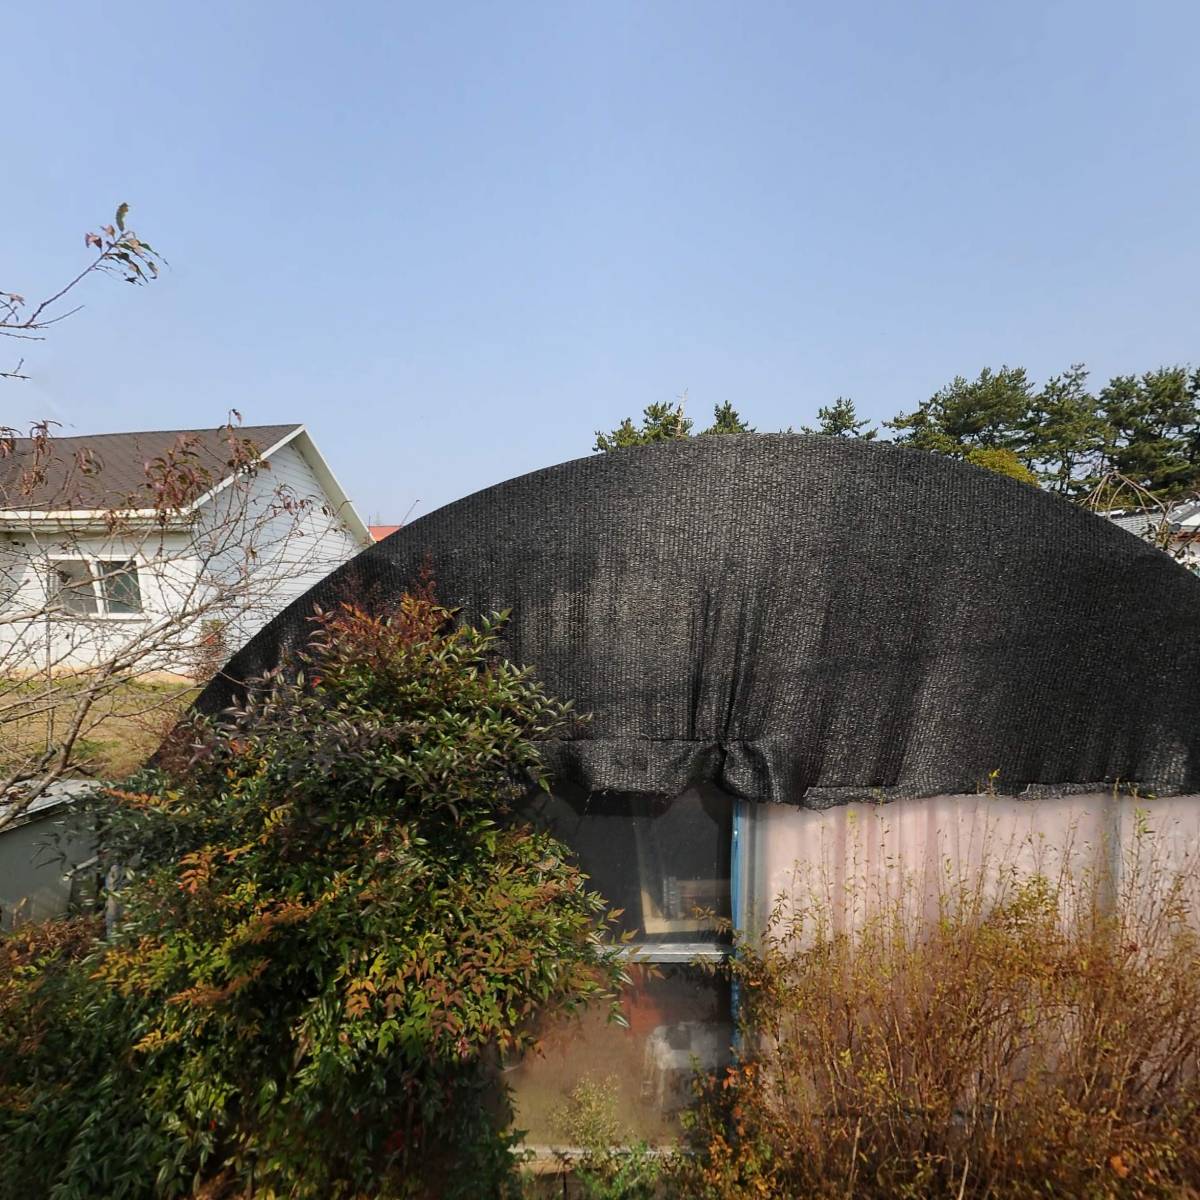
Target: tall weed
(1039,1037)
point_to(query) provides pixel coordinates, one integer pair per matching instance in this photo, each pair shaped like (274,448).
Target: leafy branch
(118,251)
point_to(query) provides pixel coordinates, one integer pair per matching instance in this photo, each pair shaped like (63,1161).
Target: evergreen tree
(1062,435)
(1152,430)
(841,420)
(727,420)
(989,411)
(665,423)
(1065,433)
(660,423)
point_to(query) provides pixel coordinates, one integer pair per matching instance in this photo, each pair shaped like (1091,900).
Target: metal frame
(738,876)
(674,952)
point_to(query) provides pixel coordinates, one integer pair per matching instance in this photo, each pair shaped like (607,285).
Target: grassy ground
(122,729)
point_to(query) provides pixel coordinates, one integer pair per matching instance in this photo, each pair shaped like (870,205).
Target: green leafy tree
(1002,462)
(333,924)
(840,419)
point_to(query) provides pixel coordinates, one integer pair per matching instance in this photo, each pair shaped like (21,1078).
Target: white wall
(295,550)
(66,641)
(244,544)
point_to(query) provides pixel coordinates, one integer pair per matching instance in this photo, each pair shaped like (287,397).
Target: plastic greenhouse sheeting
(810,620)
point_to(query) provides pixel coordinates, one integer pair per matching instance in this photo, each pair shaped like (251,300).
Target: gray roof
(1183,517)
(60,793)
(119,470)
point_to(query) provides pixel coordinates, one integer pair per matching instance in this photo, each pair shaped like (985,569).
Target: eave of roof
(14,520)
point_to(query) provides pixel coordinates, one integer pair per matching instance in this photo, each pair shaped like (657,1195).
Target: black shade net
(810,620)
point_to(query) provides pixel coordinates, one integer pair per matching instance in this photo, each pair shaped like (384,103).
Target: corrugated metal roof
(119,471)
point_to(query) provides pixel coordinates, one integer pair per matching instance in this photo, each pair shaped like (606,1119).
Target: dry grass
(1044,1042)
(125,725)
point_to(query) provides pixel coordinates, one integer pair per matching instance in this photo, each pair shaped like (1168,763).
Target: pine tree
(841,420)
(1152,430)
(1065,433)
(1062,435)
(727,420)
(660,423)
(665,423)
(989,411)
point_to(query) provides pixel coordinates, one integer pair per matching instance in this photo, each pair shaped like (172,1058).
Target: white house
(164,550)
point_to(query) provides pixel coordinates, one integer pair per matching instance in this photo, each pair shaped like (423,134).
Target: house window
(119,587)
(74,588)
(666,861)
(96,586)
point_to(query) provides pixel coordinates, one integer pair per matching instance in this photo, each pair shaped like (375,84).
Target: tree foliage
(965,414)
(1151,429)
(1063,431)
(1001,461)
(331,926)
(1141,429)
(1145,429)
(840,419)
(666,422)
(727,420)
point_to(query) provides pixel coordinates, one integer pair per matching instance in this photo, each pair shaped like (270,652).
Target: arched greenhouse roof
(810,620)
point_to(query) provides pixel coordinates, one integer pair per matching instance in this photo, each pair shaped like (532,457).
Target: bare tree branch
(127,609)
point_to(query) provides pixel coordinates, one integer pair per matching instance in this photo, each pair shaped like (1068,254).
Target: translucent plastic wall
(849,861)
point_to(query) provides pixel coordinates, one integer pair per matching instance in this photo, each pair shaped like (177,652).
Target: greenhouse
(805,661)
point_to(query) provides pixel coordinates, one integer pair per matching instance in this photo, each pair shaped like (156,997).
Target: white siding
(292,551)
(62,641)
(258,543)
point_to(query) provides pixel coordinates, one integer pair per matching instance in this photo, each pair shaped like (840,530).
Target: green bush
(328,931)
(608,1163)
(1044,1042)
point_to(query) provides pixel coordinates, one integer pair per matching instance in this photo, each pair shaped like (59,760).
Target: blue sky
(456,239)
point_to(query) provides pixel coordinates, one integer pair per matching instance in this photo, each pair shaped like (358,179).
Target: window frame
(666,939)
(703,955)
(99,570)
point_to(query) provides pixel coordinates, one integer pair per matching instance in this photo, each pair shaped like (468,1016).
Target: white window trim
(97,576)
